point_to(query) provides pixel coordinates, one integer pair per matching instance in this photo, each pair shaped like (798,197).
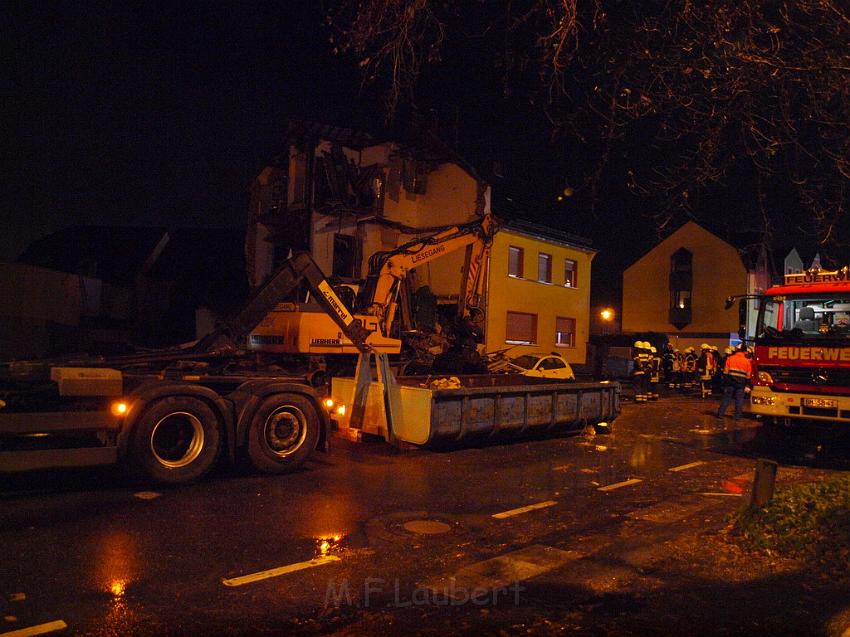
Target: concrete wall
(506,293)
(718,272)
(451,197)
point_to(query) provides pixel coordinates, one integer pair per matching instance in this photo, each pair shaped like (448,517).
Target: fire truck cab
(802,348)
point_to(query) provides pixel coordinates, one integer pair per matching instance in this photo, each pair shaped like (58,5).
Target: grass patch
(809,521)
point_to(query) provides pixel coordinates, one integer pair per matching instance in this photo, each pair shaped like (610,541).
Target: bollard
(763,483)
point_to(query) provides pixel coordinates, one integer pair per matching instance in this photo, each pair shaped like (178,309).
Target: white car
(543,366)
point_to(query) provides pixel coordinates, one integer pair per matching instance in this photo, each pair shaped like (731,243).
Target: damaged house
(343,196)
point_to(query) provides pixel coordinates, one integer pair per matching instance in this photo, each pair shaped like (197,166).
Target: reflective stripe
(739,365)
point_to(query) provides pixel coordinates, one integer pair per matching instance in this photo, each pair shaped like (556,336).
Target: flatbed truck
(171,414)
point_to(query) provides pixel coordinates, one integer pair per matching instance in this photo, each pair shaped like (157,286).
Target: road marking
(530,507)
(731,495)
(563,467)
(41,629)
(275,572)
(500,574)
(618,485)
(690,465)
(147,495)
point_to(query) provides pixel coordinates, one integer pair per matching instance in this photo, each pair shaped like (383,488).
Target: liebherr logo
(335,303)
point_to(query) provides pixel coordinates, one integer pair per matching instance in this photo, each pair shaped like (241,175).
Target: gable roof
(679,230)
(114,254)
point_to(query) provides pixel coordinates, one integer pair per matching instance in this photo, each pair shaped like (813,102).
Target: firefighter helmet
(704,346)
(652,349)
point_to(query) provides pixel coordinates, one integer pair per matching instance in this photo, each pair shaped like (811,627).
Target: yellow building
(679,287)
(538,292)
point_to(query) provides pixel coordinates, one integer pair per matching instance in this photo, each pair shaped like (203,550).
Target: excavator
(304,328)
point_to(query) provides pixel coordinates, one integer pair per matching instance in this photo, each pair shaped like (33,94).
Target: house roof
(304,130)
(114,254)
(117,254)
(547,233)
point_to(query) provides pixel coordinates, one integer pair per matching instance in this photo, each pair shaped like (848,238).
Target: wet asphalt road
(106,556)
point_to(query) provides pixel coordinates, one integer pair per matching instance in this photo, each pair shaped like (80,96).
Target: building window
(521,329)
(682,300)
(344,256)
(414,176)
(565,332)
(544,267)
(681,286)
(515,257)
(570,273)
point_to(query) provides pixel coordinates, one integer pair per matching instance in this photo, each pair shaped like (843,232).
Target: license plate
(819,402)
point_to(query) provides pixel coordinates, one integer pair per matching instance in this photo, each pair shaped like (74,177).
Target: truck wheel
(176,440)
(283,432)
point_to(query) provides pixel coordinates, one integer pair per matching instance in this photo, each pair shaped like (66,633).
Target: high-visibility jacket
(738,366)
(706,365)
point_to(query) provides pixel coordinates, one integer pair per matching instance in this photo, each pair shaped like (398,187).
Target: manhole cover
(426,527)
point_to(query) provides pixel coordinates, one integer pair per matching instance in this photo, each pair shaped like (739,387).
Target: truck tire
(176,440)
(283,432)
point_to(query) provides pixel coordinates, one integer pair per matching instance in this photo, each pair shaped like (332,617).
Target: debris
(17,597)
(452,382)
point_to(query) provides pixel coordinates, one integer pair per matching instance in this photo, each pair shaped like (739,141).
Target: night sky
(151,115)
(161,115)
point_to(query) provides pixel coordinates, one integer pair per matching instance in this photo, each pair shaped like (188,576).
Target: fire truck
(802,349)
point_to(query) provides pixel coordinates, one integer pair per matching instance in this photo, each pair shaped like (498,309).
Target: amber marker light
(329,403)
(340,410)
(119,409)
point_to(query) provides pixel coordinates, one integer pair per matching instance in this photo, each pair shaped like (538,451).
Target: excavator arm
(299,268)
(388,269)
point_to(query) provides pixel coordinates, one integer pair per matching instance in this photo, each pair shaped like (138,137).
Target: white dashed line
(530,507)
(147,495)
(618,485)
(563,467)
(282,570)
(728,495)
(684,467)
(41,629)
(500,574)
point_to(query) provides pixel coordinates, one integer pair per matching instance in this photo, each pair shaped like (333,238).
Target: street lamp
(607,316)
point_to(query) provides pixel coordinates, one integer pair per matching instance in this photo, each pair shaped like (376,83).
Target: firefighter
(654,373)
(706,367)
(678,360)
(737,373)
(716,381)
(689,368)
(667,365)
(641,361)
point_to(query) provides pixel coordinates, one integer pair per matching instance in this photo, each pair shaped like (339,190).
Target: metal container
(486,405)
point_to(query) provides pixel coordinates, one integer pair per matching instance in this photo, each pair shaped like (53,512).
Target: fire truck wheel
(283,432)
(176,440)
